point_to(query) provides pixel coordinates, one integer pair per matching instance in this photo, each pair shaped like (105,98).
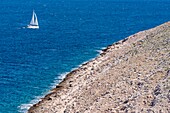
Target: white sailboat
(34,22)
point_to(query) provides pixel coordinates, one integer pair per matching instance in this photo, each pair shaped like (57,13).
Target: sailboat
(34,22)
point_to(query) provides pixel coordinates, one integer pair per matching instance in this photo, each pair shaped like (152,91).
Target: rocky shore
(130,76)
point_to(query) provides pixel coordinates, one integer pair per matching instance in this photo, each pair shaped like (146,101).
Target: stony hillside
(130,76)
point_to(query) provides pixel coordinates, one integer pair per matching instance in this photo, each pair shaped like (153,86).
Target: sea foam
(23,108)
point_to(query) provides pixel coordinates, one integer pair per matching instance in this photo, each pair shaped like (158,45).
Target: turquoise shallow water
(71,32)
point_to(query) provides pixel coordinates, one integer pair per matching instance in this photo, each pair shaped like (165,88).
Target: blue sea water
(71,32)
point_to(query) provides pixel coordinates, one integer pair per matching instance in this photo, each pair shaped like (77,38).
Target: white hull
(32,27)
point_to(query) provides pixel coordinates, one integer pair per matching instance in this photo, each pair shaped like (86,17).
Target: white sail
(34,21)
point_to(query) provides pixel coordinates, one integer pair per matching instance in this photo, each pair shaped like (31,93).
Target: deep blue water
(70,33)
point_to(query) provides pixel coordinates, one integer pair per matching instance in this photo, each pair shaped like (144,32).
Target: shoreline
(87,70)
(23,108)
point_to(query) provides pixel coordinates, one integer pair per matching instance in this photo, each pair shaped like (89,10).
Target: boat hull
(32,27)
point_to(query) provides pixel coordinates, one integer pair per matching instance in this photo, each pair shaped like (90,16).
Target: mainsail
(36,20)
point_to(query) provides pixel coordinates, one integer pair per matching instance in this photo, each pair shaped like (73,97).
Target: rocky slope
(130,76)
